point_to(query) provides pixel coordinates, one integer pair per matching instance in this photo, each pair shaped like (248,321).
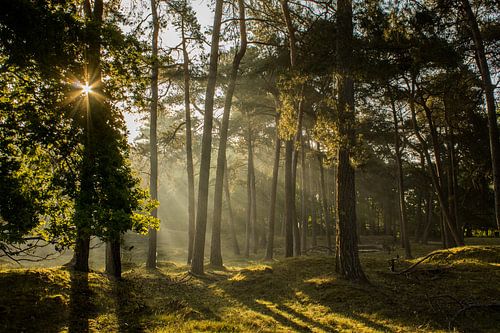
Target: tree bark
(215,250)
(113,251)
(153,142)
(206,146)
(482,64)
(289,200)
(324,202)
(274,188)
(401,189)
(347,259)
(236,247)
(189,142)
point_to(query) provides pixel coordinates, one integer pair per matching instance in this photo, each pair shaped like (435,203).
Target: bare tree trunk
(304,193)
(274,188)
(153,143)
(324,201)
(253,192)
(289,200)
(206,147)
(113,260)
(189,141)
(401,189)
(482,64)
(215,250)
(290,159)
(236,247)
(313,205)
(347,259)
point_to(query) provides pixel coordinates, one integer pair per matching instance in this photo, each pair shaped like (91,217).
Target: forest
(249,166)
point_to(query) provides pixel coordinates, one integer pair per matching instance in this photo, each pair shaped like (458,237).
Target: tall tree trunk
(289,200)
(153,144)
(206,147)
(488,87)
(189,140)
(347,259)
(313,205)
(290,184)
(254,228)
(236,247)
(401,189)
(215,250)
(304,193)
(274,188)
(324,201)
(250,227)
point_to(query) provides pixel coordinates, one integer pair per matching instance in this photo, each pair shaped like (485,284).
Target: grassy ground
(299,294)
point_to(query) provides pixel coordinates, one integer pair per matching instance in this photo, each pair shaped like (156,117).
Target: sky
(204,13)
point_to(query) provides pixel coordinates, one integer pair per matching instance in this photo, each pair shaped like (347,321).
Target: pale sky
(204,13)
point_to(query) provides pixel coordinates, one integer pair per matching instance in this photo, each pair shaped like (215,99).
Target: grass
(297,294)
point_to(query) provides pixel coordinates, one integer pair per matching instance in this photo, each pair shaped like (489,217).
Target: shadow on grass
(128,311)
(80,303)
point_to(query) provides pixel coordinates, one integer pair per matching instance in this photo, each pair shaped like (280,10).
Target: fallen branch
(495,305)
(406,270)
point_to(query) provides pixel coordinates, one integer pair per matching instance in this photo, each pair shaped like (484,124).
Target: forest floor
(453,289)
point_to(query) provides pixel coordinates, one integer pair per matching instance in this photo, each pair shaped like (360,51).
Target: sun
(86,89)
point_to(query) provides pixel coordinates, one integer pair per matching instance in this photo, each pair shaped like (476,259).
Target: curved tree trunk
(215,249)
(206,147)
(434,175)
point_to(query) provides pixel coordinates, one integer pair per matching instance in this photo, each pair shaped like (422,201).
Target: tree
(153,142)
(215,250)
(206,146)
(347,259)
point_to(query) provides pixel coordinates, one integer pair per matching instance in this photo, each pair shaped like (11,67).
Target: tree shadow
(128,311)
(81,306)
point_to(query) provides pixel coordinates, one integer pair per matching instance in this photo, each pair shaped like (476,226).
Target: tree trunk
(113,256)
(189,142)
(206,147)
(82,250)
(313,205)
(324,202)
(401,189)
(430,207)
(236,247)
(488,87)
(347,259)
(215,249)
(153,144)
(304,194)
(289,200)
(274,188)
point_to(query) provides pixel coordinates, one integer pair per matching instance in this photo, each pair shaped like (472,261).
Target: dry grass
(298,294)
